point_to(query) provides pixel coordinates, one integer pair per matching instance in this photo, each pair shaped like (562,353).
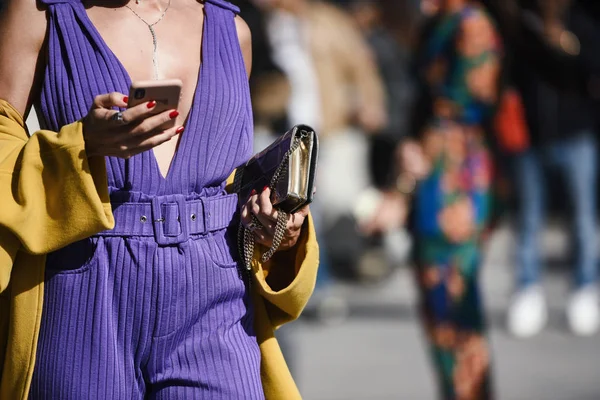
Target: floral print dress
(460,69)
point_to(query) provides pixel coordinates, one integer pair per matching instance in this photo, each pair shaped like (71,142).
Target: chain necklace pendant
(154,51)
(153,34)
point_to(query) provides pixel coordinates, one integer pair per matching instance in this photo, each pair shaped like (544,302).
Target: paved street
(377,353)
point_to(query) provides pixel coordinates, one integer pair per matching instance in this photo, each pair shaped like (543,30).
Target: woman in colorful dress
(448,170)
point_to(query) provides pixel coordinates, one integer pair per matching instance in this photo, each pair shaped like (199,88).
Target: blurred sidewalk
(395,297)
(378,354)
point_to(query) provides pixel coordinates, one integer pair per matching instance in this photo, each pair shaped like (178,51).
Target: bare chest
(177,38)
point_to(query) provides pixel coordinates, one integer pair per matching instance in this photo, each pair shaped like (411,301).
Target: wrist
(90,149)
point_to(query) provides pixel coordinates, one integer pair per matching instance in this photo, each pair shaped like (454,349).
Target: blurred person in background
(447,168)
(556,63)
(269,84)
(335,88)
(389,28)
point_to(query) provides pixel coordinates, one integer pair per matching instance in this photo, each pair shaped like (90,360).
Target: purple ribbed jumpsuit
(156,308)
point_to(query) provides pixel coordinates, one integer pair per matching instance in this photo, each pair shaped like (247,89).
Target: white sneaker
(583,311)
(528,312)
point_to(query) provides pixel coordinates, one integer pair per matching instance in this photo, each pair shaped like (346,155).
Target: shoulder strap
(51,2)
(219,3)
(225,5)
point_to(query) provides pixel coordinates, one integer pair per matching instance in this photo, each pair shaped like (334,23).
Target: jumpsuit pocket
(197,278)
(76,258)
(222,249)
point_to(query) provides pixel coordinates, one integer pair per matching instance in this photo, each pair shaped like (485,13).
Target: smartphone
(166,93)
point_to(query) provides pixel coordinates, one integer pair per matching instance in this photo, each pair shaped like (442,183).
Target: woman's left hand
(260,205)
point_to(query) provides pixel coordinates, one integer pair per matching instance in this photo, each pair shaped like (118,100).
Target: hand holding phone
(166,93)
(126,136)
(108,132)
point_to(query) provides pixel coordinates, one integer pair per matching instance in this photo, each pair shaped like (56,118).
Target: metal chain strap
(245,236)
(246,245)
(282,218)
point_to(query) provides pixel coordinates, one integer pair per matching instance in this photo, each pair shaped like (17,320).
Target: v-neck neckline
(196,99)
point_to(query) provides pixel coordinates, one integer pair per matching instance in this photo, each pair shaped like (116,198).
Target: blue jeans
(576,160)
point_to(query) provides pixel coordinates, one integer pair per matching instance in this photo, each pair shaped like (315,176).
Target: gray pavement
(378,353)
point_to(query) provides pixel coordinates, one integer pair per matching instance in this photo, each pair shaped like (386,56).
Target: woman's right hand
(138,131)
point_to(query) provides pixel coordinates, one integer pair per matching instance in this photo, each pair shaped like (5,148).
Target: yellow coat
(51,195)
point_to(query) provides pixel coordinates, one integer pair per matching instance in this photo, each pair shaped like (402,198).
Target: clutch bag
(288,167)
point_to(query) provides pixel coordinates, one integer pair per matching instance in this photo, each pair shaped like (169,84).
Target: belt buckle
(163,218)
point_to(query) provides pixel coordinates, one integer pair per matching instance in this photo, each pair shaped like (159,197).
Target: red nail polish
(174,114)
(151,104)
(265,188)
(125,99)
(179,130)
(253,192)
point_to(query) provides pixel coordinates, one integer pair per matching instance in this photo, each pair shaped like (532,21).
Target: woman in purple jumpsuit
(155,308)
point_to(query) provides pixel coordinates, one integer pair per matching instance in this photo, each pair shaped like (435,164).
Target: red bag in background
(510,123)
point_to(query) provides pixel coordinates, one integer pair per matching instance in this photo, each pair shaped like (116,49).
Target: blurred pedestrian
(335,88)
(269,84)
(389,28)
(447,168)
(556,63)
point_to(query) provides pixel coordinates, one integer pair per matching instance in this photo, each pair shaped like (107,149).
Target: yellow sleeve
(288,279)
(50,193)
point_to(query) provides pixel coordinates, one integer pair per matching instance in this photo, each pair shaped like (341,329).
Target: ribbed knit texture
(124,317)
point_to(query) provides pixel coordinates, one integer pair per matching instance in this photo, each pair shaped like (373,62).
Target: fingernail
(253,192)
(125,99)
(265,188)
(179,130)
(151,104)
(174,114)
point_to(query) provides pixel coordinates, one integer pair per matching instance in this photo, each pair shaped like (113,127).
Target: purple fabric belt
(171,219)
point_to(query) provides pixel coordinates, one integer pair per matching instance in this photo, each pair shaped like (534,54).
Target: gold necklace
(154,40)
